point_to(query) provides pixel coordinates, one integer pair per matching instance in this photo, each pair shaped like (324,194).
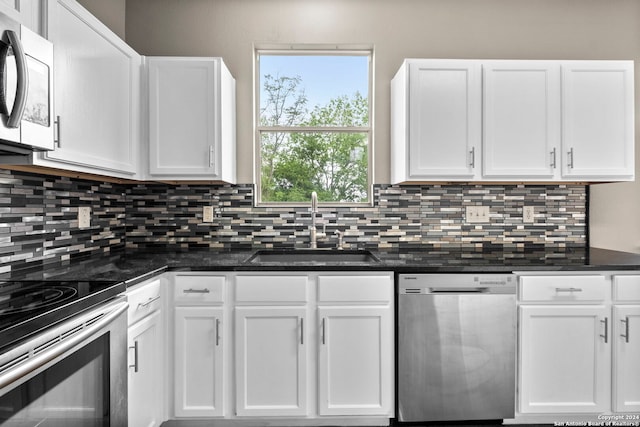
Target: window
(313,126)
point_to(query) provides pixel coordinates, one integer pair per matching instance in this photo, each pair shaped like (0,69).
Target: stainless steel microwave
(26,89)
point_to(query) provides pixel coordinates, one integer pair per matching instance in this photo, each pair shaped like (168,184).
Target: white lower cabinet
(564,358)
(271,361)
(199,342)
(314,345)
(579,346)
(310,348)
(626,343)
(355,365)
(626,378)
(198,362)
(146,367)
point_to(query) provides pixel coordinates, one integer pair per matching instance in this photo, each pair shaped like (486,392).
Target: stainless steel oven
(71,374)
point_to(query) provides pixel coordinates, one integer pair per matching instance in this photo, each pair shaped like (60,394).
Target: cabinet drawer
(199,289)
(354,288)
(626,288)
(271,289)
(563,288)
(143,300)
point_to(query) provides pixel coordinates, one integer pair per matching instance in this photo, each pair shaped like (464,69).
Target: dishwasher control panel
(456,283)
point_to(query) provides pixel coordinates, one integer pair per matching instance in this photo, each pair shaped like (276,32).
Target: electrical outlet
(84,217)
(207,214)
(527,214)
(477,214)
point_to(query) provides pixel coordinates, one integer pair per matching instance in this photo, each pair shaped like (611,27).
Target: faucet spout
(312,231)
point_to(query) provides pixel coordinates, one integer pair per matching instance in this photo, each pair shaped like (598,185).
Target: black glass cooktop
(27,307)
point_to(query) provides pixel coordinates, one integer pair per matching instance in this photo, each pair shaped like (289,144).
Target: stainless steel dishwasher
(456,347)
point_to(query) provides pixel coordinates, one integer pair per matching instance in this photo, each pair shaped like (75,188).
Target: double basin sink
(312,256)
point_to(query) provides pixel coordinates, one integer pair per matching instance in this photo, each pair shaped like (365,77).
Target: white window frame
(312,50)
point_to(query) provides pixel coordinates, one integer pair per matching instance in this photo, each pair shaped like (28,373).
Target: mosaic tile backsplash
(38,218)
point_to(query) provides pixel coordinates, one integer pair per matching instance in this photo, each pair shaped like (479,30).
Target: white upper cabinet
(521,119)
(26,12)
(192,127)
(97,88)
(436,120)
(598,119)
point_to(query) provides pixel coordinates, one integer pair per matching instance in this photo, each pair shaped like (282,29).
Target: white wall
(510,29)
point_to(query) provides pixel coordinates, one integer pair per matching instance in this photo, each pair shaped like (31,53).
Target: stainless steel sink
(311,256)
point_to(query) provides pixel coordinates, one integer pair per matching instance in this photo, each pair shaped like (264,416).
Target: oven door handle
(40,359)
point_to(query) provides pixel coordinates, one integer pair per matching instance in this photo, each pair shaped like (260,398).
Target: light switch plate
(527,214)
(84,217)
(477,214)
(207,214)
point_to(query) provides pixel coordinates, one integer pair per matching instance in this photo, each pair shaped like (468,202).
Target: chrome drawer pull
(149,301)
(197,291)
(217,332)
(568,289)
(606,330)
(626,329)
(570,158)
(324,331)
(135,357)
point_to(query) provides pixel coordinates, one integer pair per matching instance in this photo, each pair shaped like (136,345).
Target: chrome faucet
(340,235)
(312,231)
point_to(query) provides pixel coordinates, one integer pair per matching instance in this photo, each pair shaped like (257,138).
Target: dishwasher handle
(458,290)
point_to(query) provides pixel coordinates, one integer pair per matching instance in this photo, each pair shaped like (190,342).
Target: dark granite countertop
(134,266)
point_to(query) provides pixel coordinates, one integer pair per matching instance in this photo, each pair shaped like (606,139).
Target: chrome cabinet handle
(606,330)
(472,155)
(57,140)
(553,158)
(324,330)
(626,329)
(149,301)
(211,154)
(217,332)
(302,331)
(570,158)
(196,291)
(568,289)
(135,356)
(22,83)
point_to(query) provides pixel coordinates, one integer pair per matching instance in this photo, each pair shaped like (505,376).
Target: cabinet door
(145,372)
(356,361)
(26,12)
(564,359)
(598,119)
(271,361)
(626,365)
(182,116)
(521,119)
(97,92)
(444,119)
(198,362)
